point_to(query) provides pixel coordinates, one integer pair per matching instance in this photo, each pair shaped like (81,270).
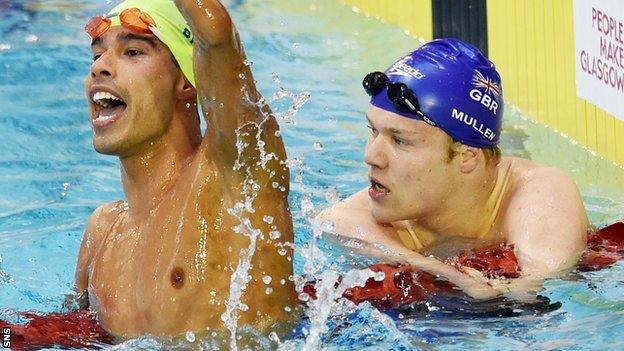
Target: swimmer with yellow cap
(158,17)
(166,259)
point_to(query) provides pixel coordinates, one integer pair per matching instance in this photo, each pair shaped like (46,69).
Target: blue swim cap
(456,87)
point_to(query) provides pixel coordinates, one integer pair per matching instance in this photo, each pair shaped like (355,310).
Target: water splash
(294,101)
(5,278)
(325,305)
(244,209)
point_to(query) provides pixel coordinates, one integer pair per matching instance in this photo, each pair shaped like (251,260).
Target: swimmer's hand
(471,281)
(209,20)
(230,101)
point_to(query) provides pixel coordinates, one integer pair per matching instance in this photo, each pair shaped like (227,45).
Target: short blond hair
(490,154)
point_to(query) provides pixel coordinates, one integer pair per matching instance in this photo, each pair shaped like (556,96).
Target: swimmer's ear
(469,158)
(185,90)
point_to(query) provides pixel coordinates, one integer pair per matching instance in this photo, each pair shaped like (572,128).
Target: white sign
(599,43)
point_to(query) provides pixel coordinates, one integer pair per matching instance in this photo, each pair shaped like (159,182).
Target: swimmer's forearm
(474,287)
(228,95)
(209,20)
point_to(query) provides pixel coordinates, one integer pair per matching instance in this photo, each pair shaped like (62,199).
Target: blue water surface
(51,179)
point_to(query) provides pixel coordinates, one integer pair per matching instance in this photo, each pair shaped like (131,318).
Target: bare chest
(170,267)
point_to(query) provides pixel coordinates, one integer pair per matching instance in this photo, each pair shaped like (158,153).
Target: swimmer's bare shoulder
(545,219)
(96,229)
(352,218)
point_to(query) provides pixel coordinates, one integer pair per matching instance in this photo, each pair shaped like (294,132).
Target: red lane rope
(403,284)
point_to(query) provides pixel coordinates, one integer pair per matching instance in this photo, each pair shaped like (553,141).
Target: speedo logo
(188,34)
(402,69)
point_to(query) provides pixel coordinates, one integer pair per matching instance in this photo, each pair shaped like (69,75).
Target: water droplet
(332,196)
(318,146)
(275,185)
(243,307)
(273,337)
(190,336)
(283,281)
(379,276)
(266,279)
(267,219)
(282,251)
(304,297)
(31,38)
(275,78)
(268,291)
(287,309)
(274,234)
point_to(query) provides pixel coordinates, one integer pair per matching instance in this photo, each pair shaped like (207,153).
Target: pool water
(51,179)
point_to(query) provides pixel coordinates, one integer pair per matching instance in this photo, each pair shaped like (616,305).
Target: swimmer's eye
(133,52)
(399,141)
(372,129)
(96,57)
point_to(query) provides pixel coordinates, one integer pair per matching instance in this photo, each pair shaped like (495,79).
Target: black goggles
(399,94)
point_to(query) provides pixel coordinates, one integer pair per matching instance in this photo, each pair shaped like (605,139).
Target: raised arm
(227,92)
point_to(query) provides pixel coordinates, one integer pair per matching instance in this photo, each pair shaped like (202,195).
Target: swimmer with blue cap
(163,260)
(438,182)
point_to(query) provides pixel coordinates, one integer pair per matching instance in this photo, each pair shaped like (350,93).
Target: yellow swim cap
(172,29)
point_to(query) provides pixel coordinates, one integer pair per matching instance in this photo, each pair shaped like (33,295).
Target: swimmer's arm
(91,240)
(79,299)
(548,224)
(475,286)
(351,219)
(227,91)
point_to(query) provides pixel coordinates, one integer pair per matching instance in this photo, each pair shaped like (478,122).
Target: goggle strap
(409,104)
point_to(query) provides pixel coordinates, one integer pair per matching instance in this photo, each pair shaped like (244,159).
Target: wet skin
(413,180)
(161,261)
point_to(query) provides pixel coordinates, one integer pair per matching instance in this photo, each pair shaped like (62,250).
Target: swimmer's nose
(101,67)
(374,154)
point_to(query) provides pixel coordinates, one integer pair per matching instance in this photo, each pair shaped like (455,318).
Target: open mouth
(107,108)
(378,187)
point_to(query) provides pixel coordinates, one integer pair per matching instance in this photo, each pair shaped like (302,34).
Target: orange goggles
(132,19)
